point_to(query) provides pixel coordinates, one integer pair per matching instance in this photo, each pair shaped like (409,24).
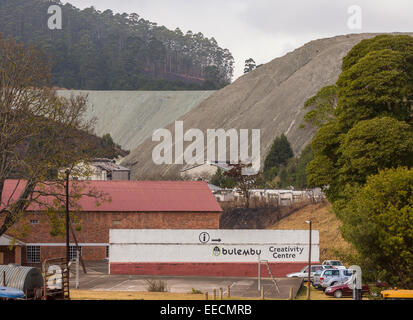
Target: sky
(267,29)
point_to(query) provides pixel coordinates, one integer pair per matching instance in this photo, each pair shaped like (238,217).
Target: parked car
(344,290)
(334,263)
(316,278)
(330,277)
(304,272)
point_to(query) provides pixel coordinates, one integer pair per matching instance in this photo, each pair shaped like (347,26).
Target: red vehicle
(343,290)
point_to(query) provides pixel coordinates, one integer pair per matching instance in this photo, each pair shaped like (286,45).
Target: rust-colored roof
(137,196)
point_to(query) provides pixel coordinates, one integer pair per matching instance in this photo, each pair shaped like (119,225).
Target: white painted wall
(235,245)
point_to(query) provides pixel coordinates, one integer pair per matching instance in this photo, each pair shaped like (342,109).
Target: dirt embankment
(255,218)
(325,221)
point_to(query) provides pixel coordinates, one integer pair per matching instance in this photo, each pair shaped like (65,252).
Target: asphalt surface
(98,279)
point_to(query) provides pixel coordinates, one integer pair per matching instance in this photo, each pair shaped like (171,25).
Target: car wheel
(338,294)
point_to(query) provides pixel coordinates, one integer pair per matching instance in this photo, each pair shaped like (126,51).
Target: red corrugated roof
(138,196)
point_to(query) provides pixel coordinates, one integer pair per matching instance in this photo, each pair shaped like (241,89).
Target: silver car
(304,272)
(330,277)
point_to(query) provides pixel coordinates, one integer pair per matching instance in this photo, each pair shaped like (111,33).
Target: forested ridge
(97,50)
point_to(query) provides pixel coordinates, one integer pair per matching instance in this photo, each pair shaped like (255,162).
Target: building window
(107,252)
(33,254)
(34,222)
(116,222)
(73,252)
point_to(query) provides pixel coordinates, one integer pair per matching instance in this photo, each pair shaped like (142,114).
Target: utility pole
(259,273)
(67,218)
(309,262)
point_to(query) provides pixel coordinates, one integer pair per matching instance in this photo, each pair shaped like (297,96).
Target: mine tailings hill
(270,98)
(131,116)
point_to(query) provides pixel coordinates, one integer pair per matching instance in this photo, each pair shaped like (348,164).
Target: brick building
(132,205)
(11,250)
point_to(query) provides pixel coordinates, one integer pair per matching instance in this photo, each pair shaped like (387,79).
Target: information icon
(204,237)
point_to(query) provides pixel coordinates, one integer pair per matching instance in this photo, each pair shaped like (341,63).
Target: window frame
(33,251)
(72,252)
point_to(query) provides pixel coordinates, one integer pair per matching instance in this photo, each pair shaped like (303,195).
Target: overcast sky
(265,29)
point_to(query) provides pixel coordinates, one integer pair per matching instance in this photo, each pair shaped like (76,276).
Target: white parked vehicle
(316,279)
(331,277)
(304,272)
(336,264)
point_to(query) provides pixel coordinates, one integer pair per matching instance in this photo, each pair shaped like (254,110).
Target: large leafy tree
(373,145)
(379,84)
(378,221)
(400,43)
(322,106)
(363,154)
(377,81)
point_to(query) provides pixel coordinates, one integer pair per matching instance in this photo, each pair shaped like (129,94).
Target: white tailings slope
(131,116)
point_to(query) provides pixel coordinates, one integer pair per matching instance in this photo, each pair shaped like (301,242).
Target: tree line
(97,50)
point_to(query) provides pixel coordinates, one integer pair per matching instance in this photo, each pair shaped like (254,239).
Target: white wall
(235,246)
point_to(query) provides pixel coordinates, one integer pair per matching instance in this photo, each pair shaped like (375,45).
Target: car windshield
(318,272)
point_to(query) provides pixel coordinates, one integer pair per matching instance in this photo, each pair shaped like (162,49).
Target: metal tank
(25,279)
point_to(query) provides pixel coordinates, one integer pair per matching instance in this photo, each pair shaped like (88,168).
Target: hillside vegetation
(363,155)
(97,50)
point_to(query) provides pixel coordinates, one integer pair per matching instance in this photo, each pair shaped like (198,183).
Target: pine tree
(250,65)
(279,154)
